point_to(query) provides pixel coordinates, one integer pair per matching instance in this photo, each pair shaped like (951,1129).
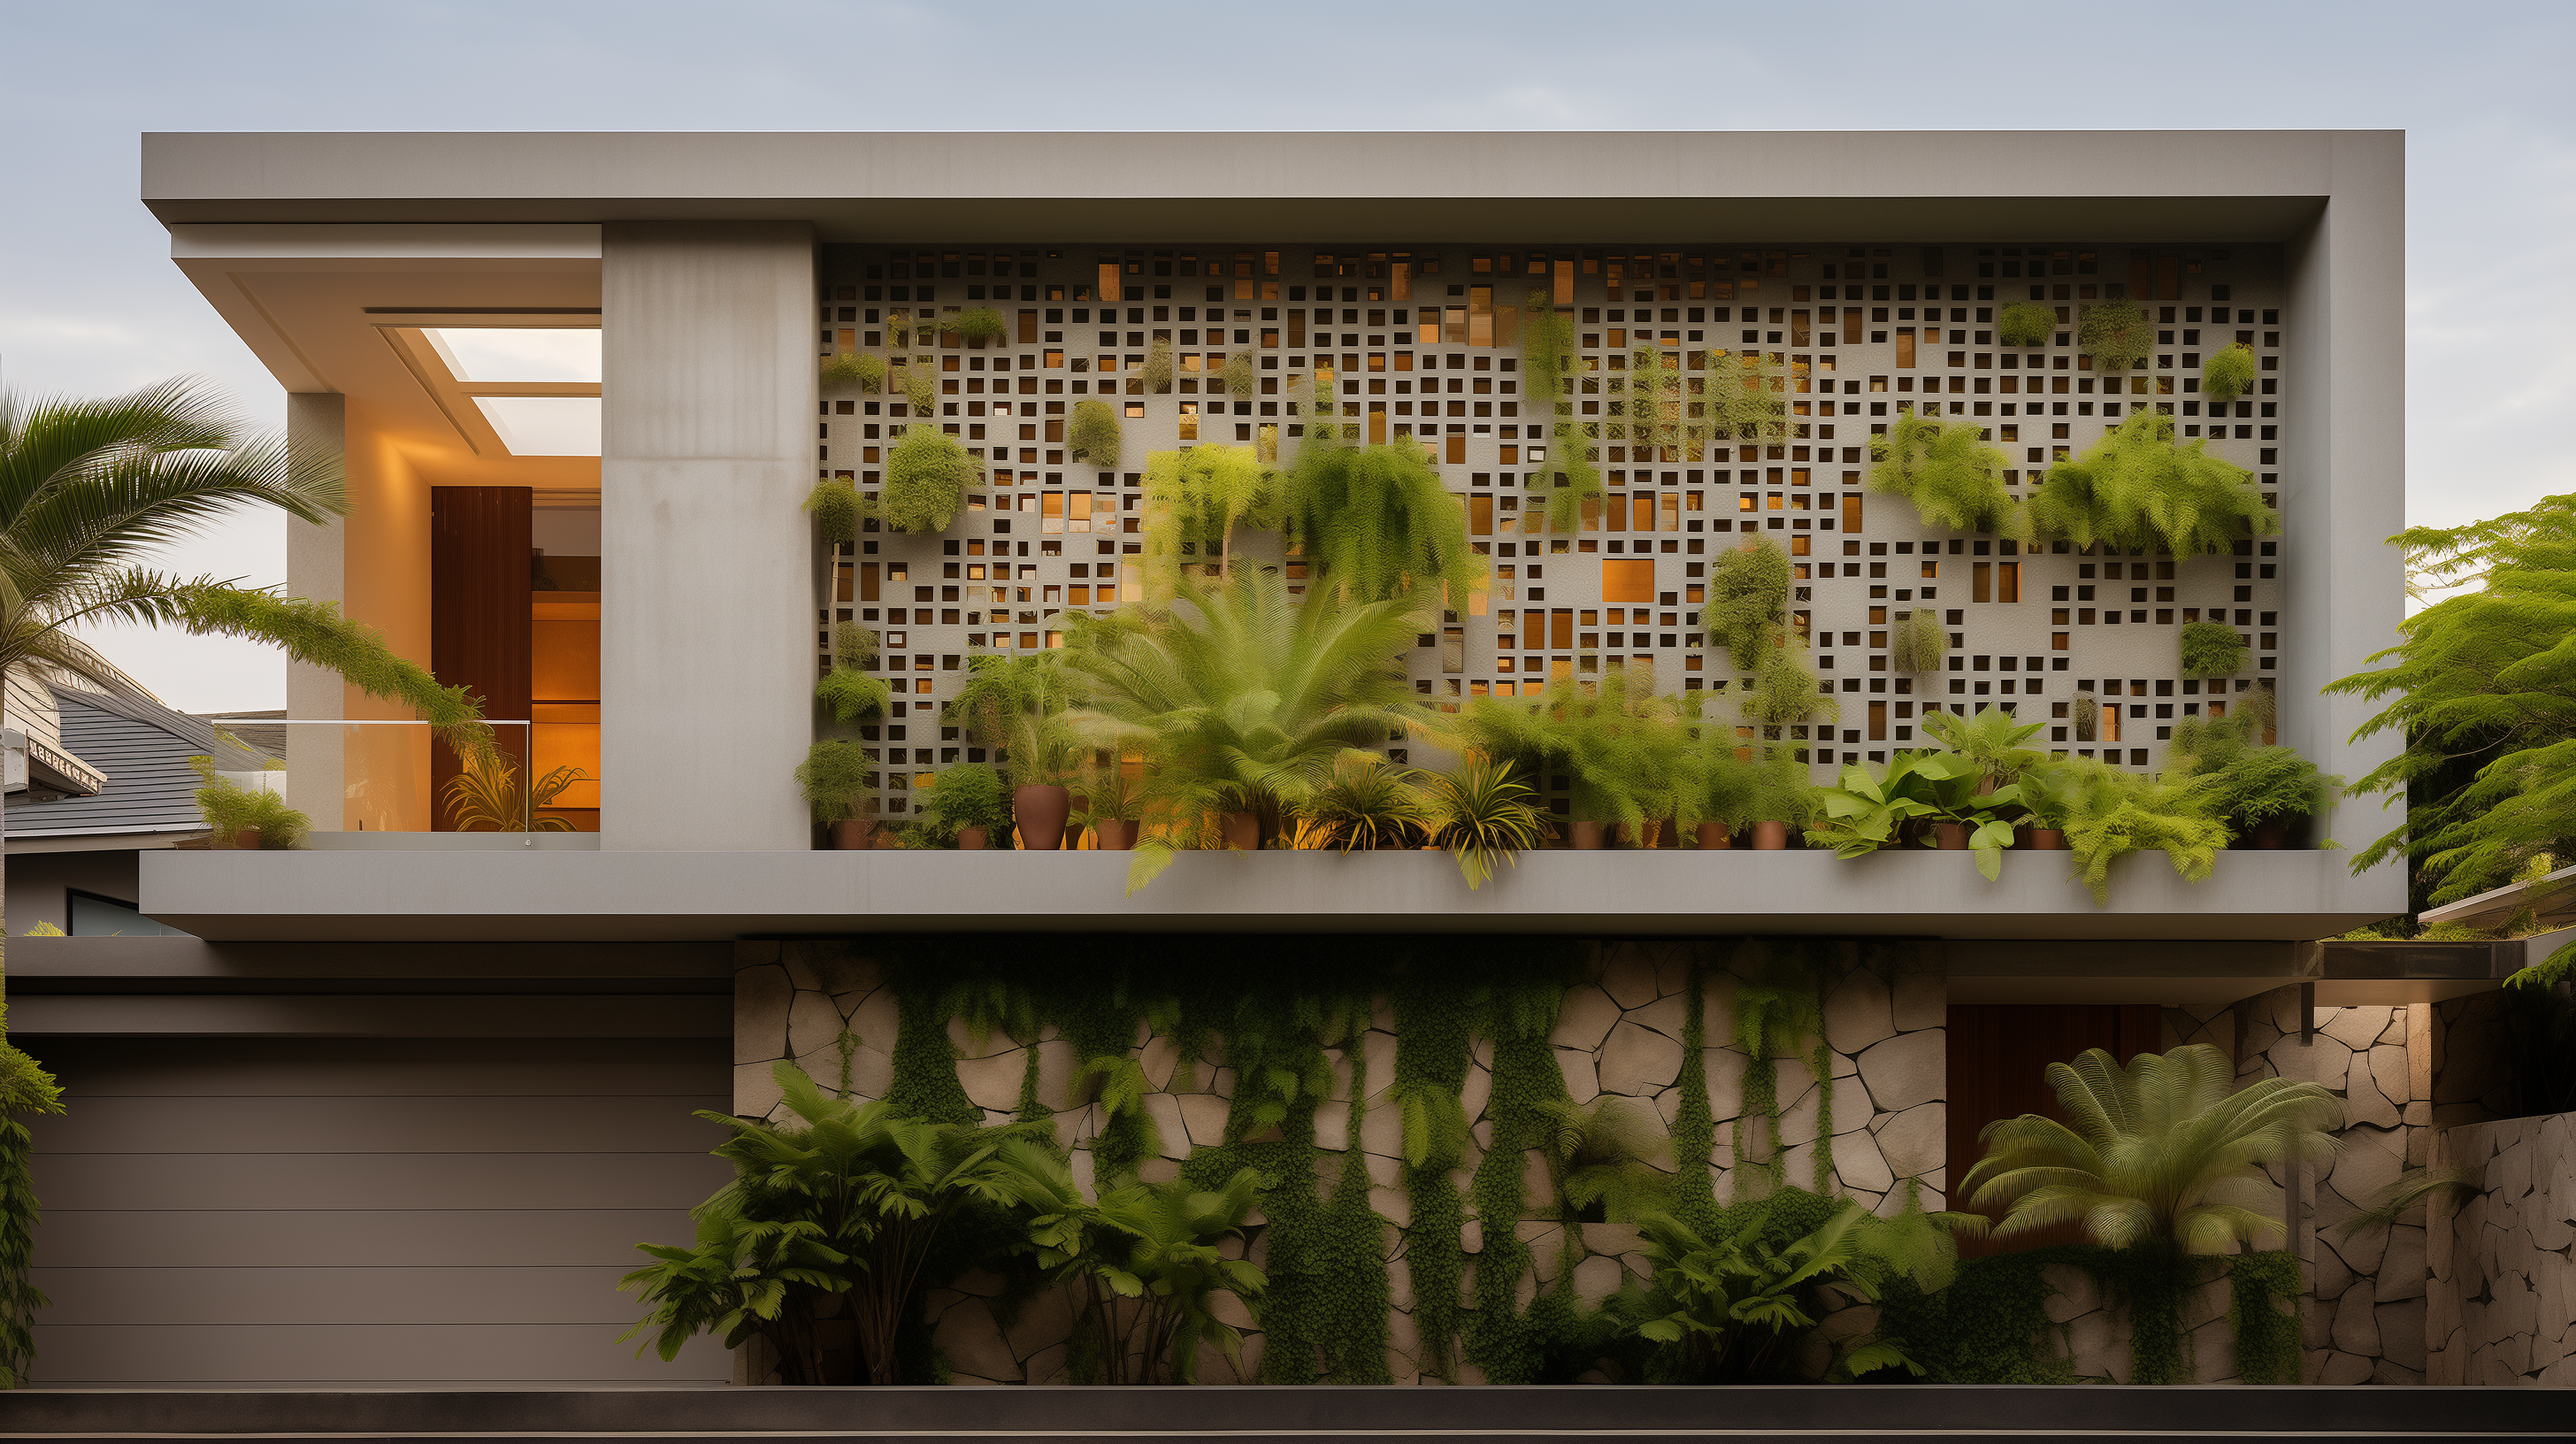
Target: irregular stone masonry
(1618,1032)
(2503,1293)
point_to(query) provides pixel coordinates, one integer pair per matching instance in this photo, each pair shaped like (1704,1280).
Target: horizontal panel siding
(328,1353)
(366,1211)
(392,1238)
(645,1124)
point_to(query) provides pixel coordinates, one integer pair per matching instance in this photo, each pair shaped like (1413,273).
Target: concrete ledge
(618,896)
(1598,1412)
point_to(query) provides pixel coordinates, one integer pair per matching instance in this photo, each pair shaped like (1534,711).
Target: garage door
(267,1211)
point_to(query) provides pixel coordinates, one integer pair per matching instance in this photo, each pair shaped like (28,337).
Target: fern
(2136,488)
(2229,374)
(2025,323)
(2116,335)
(1953,481)
(1375,521)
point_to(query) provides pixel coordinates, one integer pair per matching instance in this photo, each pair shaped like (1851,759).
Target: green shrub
(980,325)
(1953,481)
(834,777)
(1918,644)
(2136,488)
(1784,689)
(2116,335)
(2246,783)
(1567,478)
(2025,323)
(899,327)
(971,795)
(1092,435)
(2212,649)
(1748,596)
(2229,374)
(838,509)
(228,808)
(925,481)
(864,369)
(2111,814)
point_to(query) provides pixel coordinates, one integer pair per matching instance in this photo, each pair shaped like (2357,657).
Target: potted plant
(1488,815)
(2025,323)
(2111,814)
(1017,705)
(968,801)
(1781,798)
(1867,807)
(246,818)
(1965,816)
(2260,792)
(837,778)
(1113,804)
(1368,804)
(2046,791)
(1990,742)
(1727,787)
(2229,374)
(849,690)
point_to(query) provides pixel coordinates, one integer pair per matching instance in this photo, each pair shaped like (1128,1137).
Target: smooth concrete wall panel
(41,884)
(606,896)
(708,390)
(246,1212)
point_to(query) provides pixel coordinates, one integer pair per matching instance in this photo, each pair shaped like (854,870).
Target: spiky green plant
(2212,649)
(2116,335)
(1953,481)
(1490,816)
(1748,599)
(2111,814)
(1092,435)
(484,797)
(926,478)
(2136,488)
(1377,520)
(1367,803)
(2163,1155)
(2025,323)
(848,1199)
(2410,1188)
(837,509)
(1783,689)
(1243,695)
(1918,643)
(2229,374)
(1150,1261)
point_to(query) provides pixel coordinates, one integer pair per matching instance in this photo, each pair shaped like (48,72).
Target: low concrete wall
(2503,1295)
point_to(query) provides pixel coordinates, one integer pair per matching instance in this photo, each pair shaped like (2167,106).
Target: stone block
(2364,1105)
(1916,1141)
(1859,1012)
(2343,1368)
(974,1345)
(2355,1028)
(2401,1266)
(993,1081)
(1333,1126)
(1584,1018)
(876,1019)
(813,1024)
(1798,1119)
(2401,1333)
(1596,1278)
(1858,1163)
(2356,1324)
(755,1089)
(1378,1050)
(1665,1015)
(1478,1088)
(1908,1069)
(2072,1293)
(1725,1069)
(2389,1069)
(1160,1058)
(1637,1060)
(2210,1352)
(1629,978)
(1582,1074)
(1382,1131)
(1202,1117)
(1169,1127)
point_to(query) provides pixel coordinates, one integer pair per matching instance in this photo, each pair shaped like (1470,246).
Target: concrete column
(316,426)
(707,447)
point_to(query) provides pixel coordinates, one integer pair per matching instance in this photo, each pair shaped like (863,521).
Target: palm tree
(1243,697)
(2161,1155)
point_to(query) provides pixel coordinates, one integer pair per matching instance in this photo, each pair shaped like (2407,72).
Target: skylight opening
(544,425)
(508,353)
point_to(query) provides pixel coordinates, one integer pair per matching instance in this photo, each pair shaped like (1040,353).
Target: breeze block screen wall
(1205,346)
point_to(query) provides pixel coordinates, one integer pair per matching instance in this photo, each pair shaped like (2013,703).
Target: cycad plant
(2136,488)
(1243,696)
(1375,521)
(849,1198)
(1150,1260)
(1954,481)
(1368,804)
(2165,1154)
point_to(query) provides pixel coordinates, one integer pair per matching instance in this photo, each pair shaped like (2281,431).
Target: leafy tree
(1377,520)
(1194,500)
(2162,1155)
(1748,597)
(1242,697)
(2481,684)
(2025,323)
(1092,435)
(88,490)
(1953,481)
(2229,374)
(850,1198)
(1150,1262)
(926,479)
(2135,488)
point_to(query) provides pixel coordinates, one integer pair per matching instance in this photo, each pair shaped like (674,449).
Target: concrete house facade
(398,1105)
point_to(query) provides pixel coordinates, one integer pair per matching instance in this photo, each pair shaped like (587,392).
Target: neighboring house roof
(2550,899)
(143,748)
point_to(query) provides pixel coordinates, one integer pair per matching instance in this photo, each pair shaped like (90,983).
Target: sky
(90,304)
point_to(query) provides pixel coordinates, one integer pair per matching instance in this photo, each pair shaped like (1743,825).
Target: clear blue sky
(90,303)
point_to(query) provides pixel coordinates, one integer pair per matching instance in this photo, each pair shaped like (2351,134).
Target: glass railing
(356,778)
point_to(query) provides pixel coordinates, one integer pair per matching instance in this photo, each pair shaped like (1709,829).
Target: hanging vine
(1434,1033)
(1502,1340)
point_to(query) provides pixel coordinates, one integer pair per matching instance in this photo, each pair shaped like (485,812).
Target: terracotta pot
(246,839)
(1950,836)
(2270,836)
(1119,836)
(1770,837)
(1041,812)
(1713,837)
(2046,839)
(1242,830)
(853,834)
(1586,836)
(971,839)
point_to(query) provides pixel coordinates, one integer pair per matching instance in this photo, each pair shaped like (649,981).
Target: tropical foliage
(970,795)
(1367,803)
(1018,703)
(1567,479)
(2136,488)
(1377,521)
(2243,782)
(2111,814)
(2164,1154)
(1150,1261)
(835,777)
(1194,501)
(1918,644)
(484,797)
(1488,816)
(1953,481)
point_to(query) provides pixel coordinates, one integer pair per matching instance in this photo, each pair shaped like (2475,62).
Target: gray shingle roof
(144,750)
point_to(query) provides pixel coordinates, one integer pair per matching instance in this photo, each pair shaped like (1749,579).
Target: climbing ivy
(1435,1014)
(925,1062)
(1694,1196)
(1991,1325)
(2267,1337)
(1501,1340)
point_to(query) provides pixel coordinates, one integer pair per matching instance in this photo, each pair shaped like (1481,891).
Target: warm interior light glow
(505,353)
(544,425)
